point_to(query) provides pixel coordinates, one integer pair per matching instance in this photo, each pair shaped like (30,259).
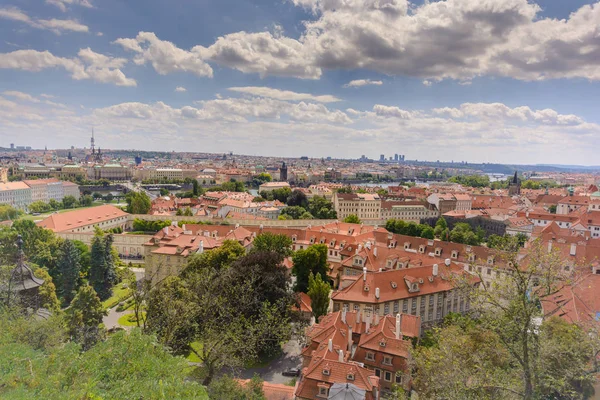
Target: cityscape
(300,200)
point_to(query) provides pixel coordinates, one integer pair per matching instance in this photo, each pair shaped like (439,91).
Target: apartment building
(112,172)
(411,211)
(86,220)
(571,203)
(444,202)
(16,194)
(367,206)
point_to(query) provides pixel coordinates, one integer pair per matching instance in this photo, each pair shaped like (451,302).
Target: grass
(120,292)
(192,356)
(128,320)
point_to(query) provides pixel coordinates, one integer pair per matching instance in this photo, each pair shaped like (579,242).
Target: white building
(17,194)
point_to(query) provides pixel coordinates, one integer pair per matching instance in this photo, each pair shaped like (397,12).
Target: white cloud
(445,39)
(285,95)
(180,89)
(362,82)
(427,83)
(57,26)
(20,96)
(389,111)
(89,65)
(62,4)
(164,56)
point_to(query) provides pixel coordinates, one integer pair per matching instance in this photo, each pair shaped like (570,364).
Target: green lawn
(128,320)
(120,293)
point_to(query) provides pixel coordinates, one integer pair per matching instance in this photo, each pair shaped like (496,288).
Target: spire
(515,179)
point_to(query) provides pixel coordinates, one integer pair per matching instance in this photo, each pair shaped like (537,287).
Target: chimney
(349,339)
(358,317)
(201,247)
(573,249)
(344,315)
(377,293)
(330,345)
(434,271)
(364,273)
(447,262)
(398,322)
(183,227)
(375,251)
(341,352)
(166,230)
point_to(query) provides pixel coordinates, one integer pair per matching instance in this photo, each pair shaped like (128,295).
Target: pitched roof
(69,220)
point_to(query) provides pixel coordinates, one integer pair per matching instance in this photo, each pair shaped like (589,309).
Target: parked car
(291,372)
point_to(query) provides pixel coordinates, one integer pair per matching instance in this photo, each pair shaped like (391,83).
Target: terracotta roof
(70,220)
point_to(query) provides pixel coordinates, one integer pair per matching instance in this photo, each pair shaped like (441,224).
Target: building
(366,206)
(112,172)
(514,187)
(3,175)
(86,220)
(412,211)
(270,186)
(16,194)
(283,176)
(568,204)
(424,291)
(443,202)
(463,202)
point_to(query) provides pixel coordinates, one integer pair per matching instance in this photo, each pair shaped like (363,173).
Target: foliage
(138,202)
(344,189)
(295,212)
(84,317)
(141,225)
(509,308)
(297,198)
(231,186)
(471,180)
(69,268)
(409,228)
(47,292)
(102,274)
(8,212)
(552,209)
(84,259)
(227,388)
(163,191)
(307,261)
(86,200)
(271,242)
(318,291)
(69,201)
(219,258)
(462,233)
(261,178)
(441,229)
(321,208)
(39,207)
(125,366)
(507,242)
(281,194)
(352,219)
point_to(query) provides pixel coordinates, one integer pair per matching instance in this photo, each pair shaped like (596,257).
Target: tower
(514,187)
(283,172)
(92,143)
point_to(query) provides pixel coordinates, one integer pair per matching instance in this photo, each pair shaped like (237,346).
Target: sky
(508,81)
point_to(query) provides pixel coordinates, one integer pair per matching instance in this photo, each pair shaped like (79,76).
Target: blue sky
(492,80)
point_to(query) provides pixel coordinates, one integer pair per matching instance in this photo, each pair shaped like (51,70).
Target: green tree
(196,188)
(39,207)
(352,219)
(68,201)
(552,209)
(306,215)
(86,200)
(271,242)
(318,291)
(69,267)
(138,202)
(84,317)
(55,205)
(428,233)
(440,227)
(297,198)
(8,212)
(47,292)
(84,259)
(305,261)
(102,275)
(321,208)
(295,212)
(227,388)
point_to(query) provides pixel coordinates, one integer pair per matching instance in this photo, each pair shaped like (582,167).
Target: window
(388,376)
(399,378)
(386,309)
(377,372)
(396,307)
(387,360)
(356,307)
(323,391)
(404,306)
(370,356)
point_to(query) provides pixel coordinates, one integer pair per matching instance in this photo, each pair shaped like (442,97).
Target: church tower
(514,187)
(283,173)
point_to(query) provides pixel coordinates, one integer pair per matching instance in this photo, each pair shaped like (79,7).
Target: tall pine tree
(102,266)
(69,266)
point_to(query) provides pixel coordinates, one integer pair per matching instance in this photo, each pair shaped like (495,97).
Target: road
(272,372)
(137,188)
(111,320)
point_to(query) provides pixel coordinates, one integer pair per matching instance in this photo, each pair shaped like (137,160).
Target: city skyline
(505,81)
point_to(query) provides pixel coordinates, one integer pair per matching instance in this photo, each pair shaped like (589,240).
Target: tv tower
(92,143)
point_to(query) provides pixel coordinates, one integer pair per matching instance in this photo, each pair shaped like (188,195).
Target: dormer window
(322,241)
(294,238)
(490,260)
(382,343)
(394,285)
(454,254)
(471,257)
(438,251)
(415,287)
(312,240)
(350,376)
(326,371)
(421,249)
(406,245)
